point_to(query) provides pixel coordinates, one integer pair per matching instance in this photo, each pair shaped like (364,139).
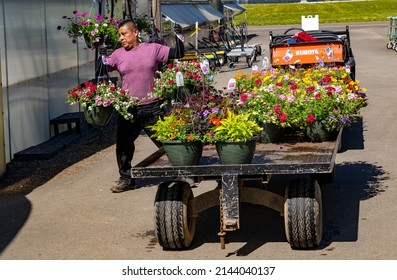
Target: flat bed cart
(176,208)
(243,50)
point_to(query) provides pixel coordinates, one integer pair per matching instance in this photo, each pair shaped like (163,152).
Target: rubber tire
(233,59)
(251,60)
(389,45)
(222,60)
(174,229)
(258,50)
(303,213)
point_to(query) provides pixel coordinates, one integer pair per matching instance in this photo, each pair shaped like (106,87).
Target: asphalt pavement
(76,216)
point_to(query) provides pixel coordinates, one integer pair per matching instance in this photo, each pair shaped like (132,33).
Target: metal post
(230,203)
(2,140)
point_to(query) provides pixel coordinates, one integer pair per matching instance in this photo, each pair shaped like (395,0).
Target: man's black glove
(177,29)
(103,50)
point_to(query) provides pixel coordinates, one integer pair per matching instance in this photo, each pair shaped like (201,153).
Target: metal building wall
(39,63)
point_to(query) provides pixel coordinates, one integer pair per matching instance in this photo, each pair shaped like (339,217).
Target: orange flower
(215,121)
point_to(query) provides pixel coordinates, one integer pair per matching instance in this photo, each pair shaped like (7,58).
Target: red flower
(171,82)
(276,108)
(330,90)
(169,65)
(112,88)
(326,79)
(282,117)
(243,96)
(310,89)
(293,87)
(258,82)
(122,91)
(75,95)
(310,118)
(279,84)
(317,95)
(176,69)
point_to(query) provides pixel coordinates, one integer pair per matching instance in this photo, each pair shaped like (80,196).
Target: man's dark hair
(129,23)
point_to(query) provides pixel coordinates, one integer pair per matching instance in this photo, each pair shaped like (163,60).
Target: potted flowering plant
(235,127)
(100,99)
(181,141)
(234,138)
(95,30)
(166,85)
(301,98)
(191,122)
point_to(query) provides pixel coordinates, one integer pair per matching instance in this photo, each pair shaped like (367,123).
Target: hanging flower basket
(99,115)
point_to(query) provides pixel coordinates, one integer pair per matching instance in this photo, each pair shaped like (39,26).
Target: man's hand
(102,50)
(177,29)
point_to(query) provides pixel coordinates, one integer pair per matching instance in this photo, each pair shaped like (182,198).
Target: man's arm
(179,50)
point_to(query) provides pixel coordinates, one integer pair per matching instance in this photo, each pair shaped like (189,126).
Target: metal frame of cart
(177,209)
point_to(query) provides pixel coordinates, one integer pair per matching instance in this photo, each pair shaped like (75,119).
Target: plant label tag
(205,67)
(265,63)
(231,85)
(179,79)
(320,61)
(330,52)
(288,56)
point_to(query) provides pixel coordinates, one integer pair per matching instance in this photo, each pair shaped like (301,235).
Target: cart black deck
(292,157)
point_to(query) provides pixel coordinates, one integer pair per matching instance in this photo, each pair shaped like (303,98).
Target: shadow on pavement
(353,183)
(13,214)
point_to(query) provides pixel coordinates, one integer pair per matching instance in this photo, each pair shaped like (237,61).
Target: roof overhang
(210,12)
(190,14)
(236,8)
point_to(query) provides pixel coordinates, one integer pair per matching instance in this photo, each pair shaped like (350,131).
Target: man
(137,63)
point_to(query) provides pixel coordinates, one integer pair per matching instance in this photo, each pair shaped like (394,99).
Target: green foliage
(176,126)
(235,127)
(328,12)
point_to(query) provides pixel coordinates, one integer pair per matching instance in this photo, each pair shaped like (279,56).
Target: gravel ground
(24,176)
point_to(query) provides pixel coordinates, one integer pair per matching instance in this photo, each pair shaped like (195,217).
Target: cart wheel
(222,60)
(233,59)
(231,65)
(174,228)
(251,60)
(258,50)
(213,65)
(303,213)
(389,45)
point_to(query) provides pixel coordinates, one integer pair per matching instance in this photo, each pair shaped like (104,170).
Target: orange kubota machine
(296,47)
